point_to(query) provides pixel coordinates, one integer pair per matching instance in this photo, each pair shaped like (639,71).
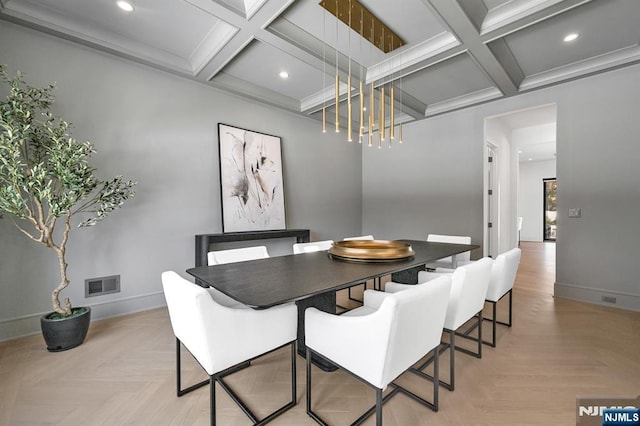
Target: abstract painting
(251,180)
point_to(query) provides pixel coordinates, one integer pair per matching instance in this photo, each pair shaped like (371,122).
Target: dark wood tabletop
(264,283)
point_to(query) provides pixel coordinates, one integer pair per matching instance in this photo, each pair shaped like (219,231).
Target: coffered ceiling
(457,53)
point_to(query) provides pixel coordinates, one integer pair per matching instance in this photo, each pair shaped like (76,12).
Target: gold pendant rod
(361,127)
(392,112)
(324,120)
(337,103)
(349,111)
(372,101)
(381,127)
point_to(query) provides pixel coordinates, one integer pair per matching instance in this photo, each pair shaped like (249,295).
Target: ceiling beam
(463,27)
(248,30)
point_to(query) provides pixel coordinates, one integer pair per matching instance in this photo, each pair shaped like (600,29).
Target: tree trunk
(64,281)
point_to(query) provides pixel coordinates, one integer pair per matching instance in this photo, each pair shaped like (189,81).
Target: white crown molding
(246,89)
(56,24)
(596,64)
(513,11)
(327,97)
(217,38)
(483,95)
(420,52)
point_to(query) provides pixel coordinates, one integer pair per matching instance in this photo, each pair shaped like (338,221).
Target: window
(550,209)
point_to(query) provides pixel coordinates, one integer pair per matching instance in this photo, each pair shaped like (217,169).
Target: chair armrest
(357,343)
(373,298)
(393,287)
(247,333)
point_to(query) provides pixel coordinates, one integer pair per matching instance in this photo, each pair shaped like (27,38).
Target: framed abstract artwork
(251,180)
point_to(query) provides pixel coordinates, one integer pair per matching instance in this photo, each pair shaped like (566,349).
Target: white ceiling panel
(261,64)
(450,79)
(166,25)
(603,26)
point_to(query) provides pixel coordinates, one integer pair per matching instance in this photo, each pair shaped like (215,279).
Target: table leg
(408,276)
(325,302)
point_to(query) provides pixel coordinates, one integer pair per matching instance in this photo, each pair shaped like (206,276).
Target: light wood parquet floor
(124,373)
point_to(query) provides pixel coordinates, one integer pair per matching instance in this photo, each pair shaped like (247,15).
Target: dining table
(312,279)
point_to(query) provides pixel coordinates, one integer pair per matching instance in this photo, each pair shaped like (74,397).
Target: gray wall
(160,130)
(433,182)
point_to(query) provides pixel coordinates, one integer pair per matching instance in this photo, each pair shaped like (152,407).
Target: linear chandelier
(370,28)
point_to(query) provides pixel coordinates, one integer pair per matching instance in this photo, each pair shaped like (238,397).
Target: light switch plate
(575,212)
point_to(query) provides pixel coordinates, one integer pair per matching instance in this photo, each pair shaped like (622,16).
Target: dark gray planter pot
(66,333)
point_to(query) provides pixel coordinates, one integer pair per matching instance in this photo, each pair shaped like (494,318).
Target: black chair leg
(493,325)
(452,363)
(494,320)
(480,334)
(219,377)
(212,400)
(436,382)
(510,307)
(378,407)
(179,391)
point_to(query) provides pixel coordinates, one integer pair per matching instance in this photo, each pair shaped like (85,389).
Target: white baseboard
(595,295)
(12,328)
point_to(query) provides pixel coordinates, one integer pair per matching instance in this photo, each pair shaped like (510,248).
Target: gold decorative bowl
(371,250)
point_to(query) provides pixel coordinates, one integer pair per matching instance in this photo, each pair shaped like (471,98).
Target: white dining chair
(447,262)
(503,276)
(221,257)
(222,339)
(380,340)
(361,237)
(242,254)
(469,284)
(314,246)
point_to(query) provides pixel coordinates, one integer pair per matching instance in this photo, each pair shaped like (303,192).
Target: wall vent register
(102,285)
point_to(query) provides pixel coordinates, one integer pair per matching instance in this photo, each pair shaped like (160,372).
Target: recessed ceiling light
(570,37)
(519,151)
(284,74)
(125,5)
(530,159)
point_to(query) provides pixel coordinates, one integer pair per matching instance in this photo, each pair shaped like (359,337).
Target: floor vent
(100,286)
(608,299)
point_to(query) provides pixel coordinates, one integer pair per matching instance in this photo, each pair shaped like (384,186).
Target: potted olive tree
(45,180)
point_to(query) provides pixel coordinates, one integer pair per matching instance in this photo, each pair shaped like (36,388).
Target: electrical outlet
(609,299)
(575,212)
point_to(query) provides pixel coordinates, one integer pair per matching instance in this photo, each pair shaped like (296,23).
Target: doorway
(523,145)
